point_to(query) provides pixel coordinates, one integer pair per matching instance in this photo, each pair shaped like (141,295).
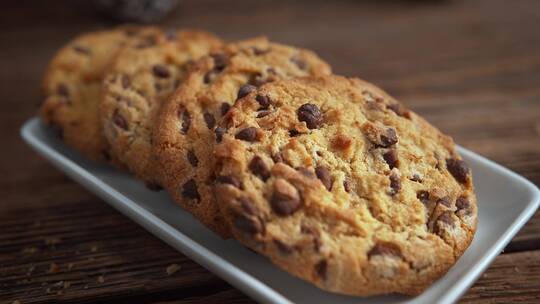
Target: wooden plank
(47,255)
(54,259)
(512,278)
(73,266)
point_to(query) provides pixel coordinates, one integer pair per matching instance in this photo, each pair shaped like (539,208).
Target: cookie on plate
(184,130)
(145,73)
(72,88)
(341,185)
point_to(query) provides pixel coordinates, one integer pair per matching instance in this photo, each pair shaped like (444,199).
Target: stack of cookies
(329,177)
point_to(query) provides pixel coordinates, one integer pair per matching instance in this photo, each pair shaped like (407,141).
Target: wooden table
(471,67)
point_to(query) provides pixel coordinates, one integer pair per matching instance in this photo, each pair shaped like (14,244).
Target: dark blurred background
(428,53)
(471,67)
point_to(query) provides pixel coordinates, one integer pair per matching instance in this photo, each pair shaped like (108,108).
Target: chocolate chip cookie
(341,185)
(145,73)
(185,129)
(72,88)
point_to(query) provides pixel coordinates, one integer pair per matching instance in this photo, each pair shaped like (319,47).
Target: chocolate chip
(293,133)
(183,114)
(220,61)
(210,120)
(416,178)
(225,107)
(220,131)
(153,186)
(321,269)
(81,50)
(462,203)
(384,249)
(317,242)
(263,113)
(192,158)
(126,83)
(257,51)
(444,201)
(264,101)
(231,180)
(248,206)
(258,167)
(307,172)
(324,176)
(282,247)
(391,158)
(189,190)
(299,62)
(347,185)
(277,157)
(247,134)
(423,196)
(285,199)
(62,90)
(458,169)
(398,109)
(395,183)
(248,224)
(119,120)
(444,218)
(245,90)
(311,115)
(161,71)
(256,80)
(389,138)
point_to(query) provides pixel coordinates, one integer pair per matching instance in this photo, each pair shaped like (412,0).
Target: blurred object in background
(139,11)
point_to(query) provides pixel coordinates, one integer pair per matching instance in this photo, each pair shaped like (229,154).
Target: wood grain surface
(472,68)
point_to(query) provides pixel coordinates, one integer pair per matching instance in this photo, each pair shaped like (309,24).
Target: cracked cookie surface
(145,73)
(73,86)
(339,184)
(185,130)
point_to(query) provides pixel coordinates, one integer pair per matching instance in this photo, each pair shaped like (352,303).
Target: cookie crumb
(53,268)
(52,241)
(30,250)
(171,269)
(30,270)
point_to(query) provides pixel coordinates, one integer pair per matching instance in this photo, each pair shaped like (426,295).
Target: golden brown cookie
(145,73)
(72,88)
(184,132)
(339,184)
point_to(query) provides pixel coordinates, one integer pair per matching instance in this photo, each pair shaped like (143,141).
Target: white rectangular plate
(506,202)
